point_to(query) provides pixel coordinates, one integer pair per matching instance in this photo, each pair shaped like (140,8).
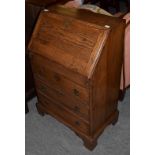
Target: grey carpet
(46,136)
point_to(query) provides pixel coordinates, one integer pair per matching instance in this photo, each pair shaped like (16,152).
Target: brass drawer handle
(77,123)
(76,92)
(76,109)
(56,77)
(43,88)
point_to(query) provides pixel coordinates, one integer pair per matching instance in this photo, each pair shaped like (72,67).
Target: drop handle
(76,109)
(77,123)
(76,92)
(56,77)
(43,88)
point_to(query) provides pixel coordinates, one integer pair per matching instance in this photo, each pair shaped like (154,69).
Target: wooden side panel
(98,93)
(114,65)
(106,79)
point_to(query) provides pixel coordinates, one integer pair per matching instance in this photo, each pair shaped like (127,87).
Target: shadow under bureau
(76,59)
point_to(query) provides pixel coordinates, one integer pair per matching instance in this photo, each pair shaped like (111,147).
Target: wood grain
(76,59)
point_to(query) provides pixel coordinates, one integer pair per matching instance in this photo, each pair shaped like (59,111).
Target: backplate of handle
(76,92)
(76,109)
(77,123)
(56,77)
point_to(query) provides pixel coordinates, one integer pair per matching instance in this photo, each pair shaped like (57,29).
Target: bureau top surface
(73,43)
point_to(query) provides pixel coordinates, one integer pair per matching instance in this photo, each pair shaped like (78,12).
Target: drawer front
(60,82)
(72,104)
(62,114)
(38,61)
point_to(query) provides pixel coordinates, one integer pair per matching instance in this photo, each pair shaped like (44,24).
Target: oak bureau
(76,59)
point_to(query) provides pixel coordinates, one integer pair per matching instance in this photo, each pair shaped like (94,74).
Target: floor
(46,136)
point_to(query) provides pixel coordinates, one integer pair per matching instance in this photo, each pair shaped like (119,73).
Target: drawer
(62,114)
(37,61)
(60,82)
(72,104)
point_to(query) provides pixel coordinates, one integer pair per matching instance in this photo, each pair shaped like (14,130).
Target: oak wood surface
(76,106)
(60,82)
(85,98)
(81,42)
(53,108)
